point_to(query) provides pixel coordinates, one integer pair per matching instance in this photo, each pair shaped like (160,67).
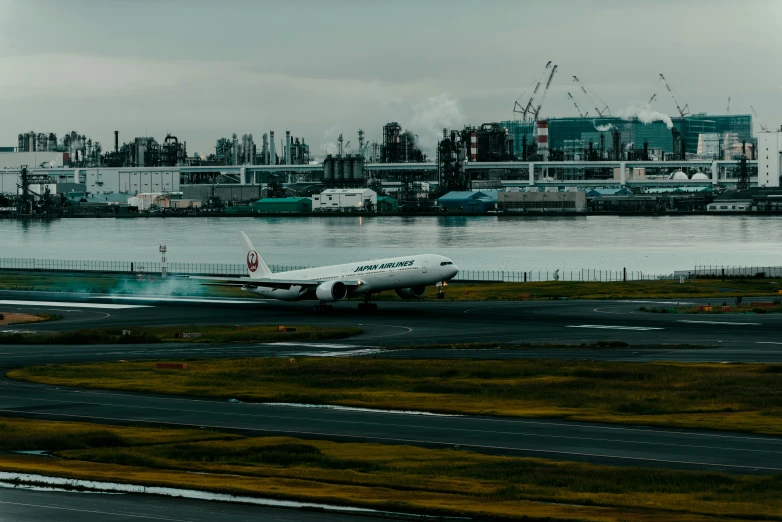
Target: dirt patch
(20,318)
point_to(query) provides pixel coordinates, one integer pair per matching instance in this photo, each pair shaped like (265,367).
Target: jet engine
(411,293)
(331,291)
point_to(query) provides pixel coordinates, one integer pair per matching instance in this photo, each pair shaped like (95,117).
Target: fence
(132,267)
(731,271)
(238,269)
(585,274)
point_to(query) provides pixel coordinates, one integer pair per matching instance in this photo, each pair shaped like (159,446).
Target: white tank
(699,175)
(679,174)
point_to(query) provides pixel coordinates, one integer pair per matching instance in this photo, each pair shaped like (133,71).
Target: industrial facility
(639,160)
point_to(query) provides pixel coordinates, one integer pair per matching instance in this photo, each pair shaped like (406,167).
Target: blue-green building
(574,134)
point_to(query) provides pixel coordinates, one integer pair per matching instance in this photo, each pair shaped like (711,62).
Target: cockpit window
(446,263)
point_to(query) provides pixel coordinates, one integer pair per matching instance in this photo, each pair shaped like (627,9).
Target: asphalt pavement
(39,505)
(733,337)
(388,333)
(559,440)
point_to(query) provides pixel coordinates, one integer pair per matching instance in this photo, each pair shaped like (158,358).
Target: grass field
(388,477)
(206,334)
(152,285)
(765,307)
(703,288)
(736,397)
(19,318)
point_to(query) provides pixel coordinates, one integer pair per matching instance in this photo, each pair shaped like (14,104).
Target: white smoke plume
(604,128)
(327,144)
(433,115)
(646,115)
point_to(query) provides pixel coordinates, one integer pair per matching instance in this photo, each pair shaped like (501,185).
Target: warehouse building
(472,202)
(345,200)
(571,201)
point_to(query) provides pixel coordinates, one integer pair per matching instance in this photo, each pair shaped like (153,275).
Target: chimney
(272,153)
(473,145)
(287,147)
(543,139)
(116,141)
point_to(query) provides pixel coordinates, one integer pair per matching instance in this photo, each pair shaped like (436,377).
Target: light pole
(164,266)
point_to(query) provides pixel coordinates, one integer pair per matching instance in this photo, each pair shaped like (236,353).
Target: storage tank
(358,168)
(328,169)
(679,174)
(347,168)
(339,169)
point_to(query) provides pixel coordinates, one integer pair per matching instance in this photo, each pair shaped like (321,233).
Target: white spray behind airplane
(408,276)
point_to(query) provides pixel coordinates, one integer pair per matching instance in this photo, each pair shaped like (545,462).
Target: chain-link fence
(131,267)
(585,274)
(718,271)
(238,269)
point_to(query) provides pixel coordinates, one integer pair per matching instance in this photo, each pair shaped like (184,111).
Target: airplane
(408,276)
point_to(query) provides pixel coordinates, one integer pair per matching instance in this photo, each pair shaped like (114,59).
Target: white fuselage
(371,276)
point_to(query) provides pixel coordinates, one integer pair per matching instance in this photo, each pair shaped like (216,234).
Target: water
(649,244)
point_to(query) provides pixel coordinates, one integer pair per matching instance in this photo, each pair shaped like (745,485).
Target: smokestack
(474,145)
(235,149)
(116,141)
(543,139)
(265,150)
(272,154)
(287,147)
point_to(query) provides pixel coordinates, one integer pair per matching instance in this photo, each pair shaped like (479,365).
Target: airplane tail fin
(256,266)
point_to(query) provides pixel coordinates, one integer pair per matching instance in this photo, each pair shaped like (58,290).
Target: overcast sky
(206,69)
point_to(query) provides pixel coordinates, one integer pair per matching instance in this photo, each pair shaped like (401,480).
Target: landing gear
(323,308)
(367,305)
(440,291)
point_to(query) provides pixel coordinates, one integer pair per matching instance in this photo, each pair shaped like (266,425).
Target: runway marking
(717,322)
(602,311)
(319,345)
(349,353)
(610,327)
(77,305)
(181,299)
(659,302)
(92,511)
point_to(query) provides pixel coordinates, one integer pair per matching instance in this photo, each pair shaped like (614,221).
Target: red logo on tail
(252,260)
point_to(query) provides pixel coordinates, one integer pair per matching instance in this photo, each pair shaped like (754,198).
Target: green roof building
(282,205)
(387,204)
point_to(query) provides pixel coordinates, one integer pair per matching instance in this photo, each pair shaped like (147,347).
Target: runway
(559,440)
(734,337)
(386,334)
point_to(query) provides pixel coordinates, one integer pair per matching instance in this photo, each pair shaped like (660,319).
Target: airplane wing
(265,281)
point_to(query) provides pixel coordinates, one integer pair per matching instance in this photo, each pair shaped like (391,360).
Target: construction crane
(528,109)
(762,127)
(683,111)
(597,109)
(545,91)
(578,109)
(654,97)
